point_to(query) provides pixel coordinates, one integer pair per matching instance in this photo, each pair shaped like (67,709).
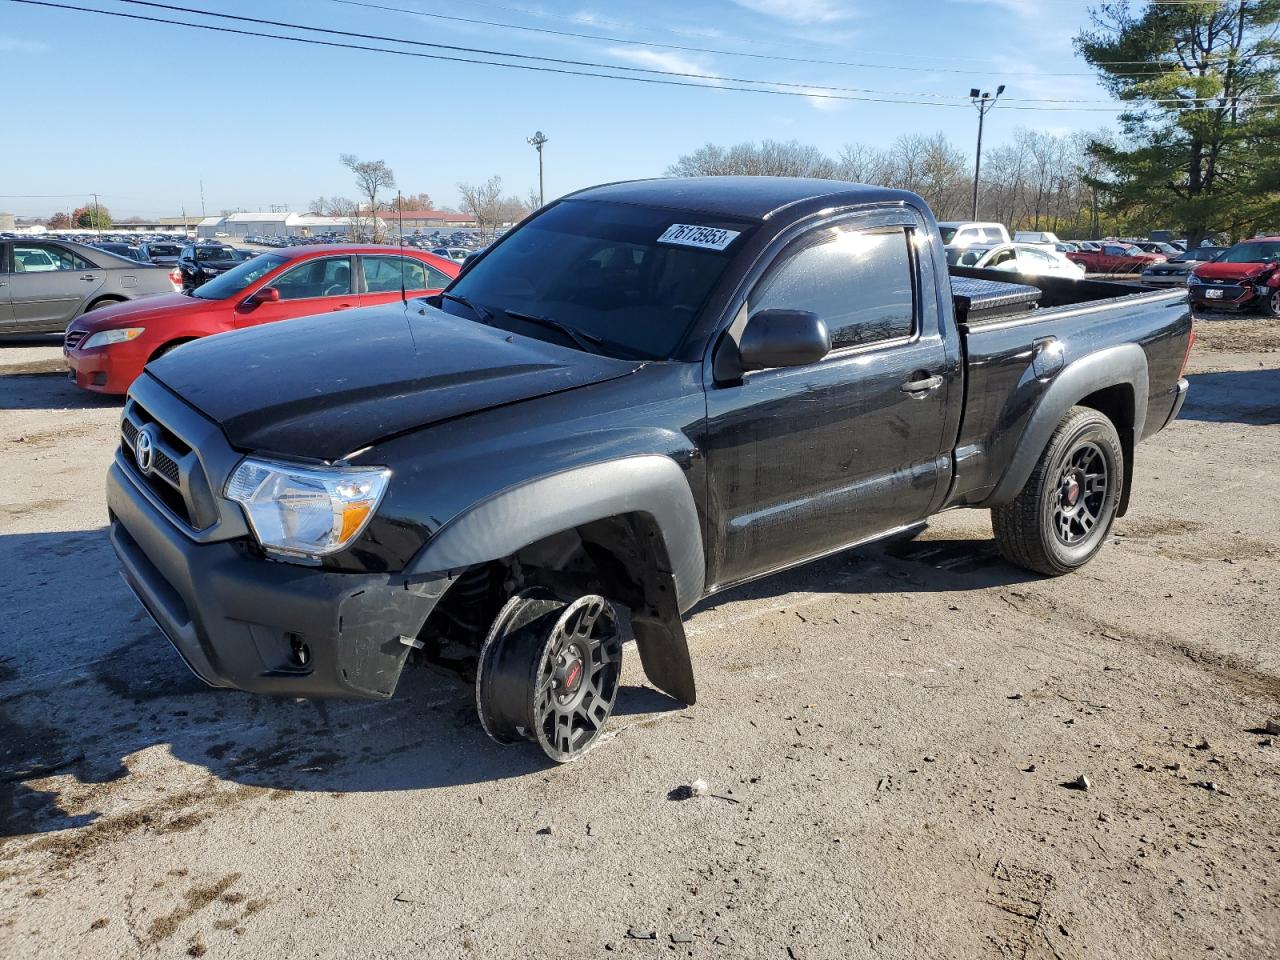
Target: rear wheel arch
(1113,381)
(106,300)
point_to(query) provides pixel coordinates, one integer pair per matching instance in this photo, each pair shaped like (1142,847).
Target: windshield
(163,249)
(632,277)
(965,256)
(1252,252)
(235,280)
(215,253)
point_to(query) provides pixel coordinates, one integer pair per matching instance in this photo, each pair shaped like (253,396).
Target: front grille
(173,473)
(1232,291)
(73,338)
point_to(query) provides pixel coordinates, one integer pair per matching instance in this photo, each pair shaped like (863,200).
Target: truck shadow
(1234,396)
(92,695)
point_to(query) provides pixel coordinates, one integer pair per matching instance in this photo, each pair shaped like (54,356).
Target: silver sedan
(45,284)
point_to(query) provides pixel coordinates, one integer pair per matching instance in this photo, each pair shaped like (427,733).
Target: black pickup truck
(645,393)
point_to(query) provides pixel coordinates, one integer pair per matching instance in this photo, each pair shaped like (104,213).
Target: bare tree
(359,223)
(484,202)
(418,201)
(771,158)
(533,200)
(318,206)
(371,177)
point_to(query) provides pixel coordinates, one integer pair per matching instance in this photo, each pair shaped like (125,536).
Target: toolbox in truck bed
(978,300)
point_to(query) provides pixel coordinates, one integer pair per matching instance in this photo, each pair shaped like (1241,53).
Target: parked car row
(106,350)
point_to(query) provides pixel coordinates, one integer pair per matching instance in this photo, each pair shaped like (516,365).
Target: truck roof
(755,198)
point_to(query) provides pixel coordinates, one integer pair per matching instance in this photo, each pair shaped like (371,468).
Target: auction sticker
(705,238)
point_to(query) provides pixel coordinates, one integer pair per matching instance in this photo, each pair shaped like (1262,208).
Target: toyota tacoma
(644,394)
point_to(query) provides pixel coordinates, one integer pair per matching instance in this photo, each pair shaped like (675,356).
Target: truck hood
(1231,271)
(321,388)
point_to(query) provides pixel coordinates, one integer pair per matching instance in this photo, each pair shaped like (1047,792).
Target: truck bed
(1002,322)
(986,296)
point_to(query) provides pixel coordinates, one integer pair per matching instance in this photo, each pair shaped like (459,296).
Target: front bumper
(239,621)
(1235,296)
(107,370)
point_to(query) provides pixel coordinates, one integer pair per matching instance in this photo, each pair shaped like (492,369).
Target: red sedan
(107,349)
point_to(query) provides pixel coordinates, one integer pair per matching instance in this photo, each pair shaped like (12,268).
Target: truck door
(805,460)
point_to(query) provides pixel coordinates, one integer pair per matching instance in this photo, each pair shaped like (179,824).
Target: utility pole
(984,102)
(202,213)
(97,216)
(536,141)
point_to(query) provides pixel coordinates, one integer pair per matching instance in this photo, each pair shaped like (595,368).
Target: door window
(861,282)
(382,275)
(45,258)
(316,278)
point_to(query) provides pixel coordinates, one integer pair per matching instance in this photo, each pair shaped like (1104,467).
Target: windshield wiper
(587,342)
(484,315)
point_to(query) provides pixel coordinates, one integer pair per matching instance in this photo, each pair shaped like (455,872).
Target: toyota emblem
(144,449)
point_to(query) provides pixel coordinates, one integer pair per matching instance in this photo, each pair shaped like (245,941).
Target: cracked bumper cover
(236,619)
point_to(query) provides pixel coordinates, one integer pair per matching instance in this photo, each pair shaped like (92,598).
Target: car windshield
(632,277)
(1252,252)
(1200,253)
(163,250)
(235,280)
(965,256)
(215,253)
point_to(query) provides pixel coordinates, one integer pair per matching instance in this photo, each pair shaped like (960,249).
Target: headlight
(306,512)
(105,338)
(1192,279)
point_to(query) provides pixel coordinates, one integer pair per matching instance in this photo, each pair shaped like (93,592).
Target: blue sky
(142,112)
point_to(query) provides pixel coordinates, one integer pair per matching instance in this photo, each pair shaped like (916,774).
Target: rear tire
(104,302)
(1062,516)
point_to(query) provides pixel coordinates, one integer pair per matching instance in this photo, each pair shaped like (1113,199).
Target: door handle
(342,306)
(923,385)
(88,276)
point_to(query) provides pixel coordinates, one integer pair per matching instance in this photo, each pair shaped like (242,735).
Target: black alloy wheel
(1082,494)
(549,672)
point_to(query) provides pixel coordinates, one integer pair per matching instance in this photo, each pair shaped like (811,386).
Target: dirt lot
(890,737)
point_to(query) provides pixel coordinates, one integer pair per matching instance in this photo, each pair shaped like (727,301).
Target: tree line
(1036,181)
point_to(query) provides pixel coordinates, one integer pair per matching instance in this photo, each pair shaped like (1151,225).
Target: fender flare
(517,517)
(1125,364)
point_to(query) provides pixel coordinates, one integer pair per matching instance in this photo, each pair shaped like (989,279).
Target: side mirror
(265,295)
(783,338)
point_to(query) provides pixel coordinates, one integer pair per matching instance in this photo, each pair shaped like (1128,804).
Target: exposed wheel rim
(549,672)
(578,678)
(1275,303)
(1081,494)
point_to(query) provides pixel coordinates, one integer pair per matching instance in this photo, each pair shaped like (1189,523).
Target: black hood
(324,387)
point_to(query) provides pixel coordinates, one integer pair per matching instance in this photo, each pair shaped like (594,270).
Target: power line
(715,78)
(807,91)
(1155,69)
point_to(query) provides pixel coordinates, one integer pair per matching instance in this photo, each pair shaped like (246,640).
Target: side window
(1004,260)
(861,282)
(316,278)
(1113,251)
(44,258)
(382,275)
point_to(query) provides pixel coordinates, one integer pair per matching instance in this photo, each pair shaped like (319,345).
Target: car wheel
(1062,516)
(549,672)
(1273,302)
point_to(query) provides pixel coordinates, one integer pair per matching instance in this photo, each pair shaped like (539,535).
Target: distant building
(7,222)
(240,225)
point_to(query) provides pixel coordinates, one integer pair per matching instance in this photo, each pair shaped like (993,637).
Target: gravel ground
(892,738)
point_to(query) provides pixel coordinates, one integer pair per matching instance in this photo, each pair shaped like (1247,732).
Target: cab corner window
(861,282)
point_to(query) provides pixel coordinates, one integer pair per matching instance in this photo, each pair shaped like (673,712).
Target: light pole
(984,102)
(536,141)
